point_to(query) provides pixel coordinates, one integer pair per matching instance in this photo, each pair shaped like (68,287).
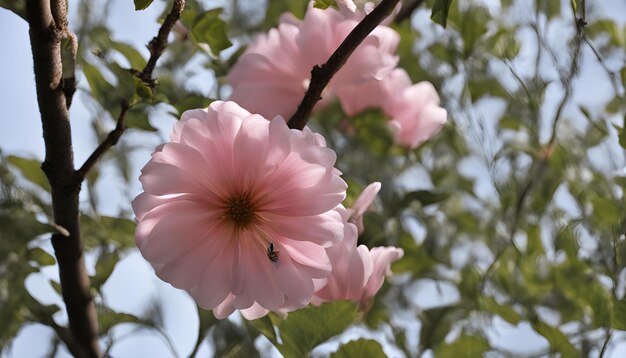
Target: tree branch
(47,26)
(47,21)
(110,140)
(322,74)
(156,46)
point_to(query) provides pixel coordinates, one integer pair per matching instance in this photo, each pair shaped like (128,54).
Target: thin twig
(322,74)
(538,167)
(567,83)
(612,75)
(605,345)
(110,140)
(156,46)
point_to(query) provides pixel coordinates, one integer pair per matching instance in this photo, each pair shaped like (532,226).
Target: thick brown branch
(157,45)
(322,74)
(45,37)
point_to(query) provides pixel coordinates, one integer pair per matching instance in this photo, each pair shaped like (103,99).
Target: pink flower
(357,272)
(414,109)
(272,75)
(361,204)
(238,210)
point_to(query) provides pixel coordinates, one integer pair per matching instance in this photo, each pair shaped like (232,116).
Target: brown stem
(322,74)
(110,140)
(157,46)
(47,21)
(46,33)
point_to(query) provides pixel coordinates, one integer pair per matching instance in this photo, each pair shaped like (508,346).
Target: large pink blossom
(272,75)
(227,186)
(413,108)
(357,272)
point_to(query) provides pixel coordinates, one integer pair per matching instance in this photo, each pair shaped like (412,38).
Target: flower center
(240,210)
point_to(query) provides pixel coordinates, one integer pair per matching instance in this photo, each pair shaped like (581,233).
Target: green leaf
(440,12)
(16,6)
(31,170)
(210,29)
(108,230)
(135,59)
(265,326)
(465,346)
(56,286)
(207,320)
(534,246)
(138,118)
(436,323)
(503,44)
(304,329)
(622,133)
(104,268)
(619,315)
(276,8)
(558,341)
(142,90)
(192,101)
(415,260)
(596,133)
(609,27)
(507,313)
(606,211)
(325,4)
(480,87)
(360,348)
(40,256)
(372,129)
(101,90)
(509,122)
(600,302)
(108,318)
(142,4)
(425,197)
(567,241)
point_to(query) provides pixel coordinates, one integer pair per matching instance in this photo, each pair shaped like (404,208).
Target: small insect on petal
(271,253)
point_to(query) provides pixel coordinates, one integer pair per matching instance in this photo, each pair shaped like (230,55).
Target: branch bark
(322,74)
(46,30)
(47,21)
(156,46)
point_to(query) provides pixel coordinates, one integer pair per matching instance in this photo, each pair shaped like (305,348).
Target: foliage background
(512,218)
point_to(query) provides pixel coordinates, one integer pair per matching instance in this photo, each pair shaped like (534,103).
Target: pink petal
(255,312)
(171,228)
(382,257)
(329,227)
(310,256)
